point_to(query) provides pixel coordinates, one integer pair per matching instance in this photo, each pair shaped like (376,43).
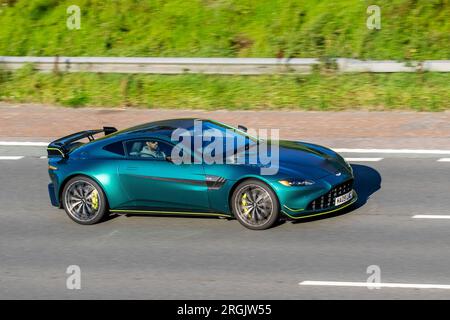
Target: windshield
(224,127)
(224,139)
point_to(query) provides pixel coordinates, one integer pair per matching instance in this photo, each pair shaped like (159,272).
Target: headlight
(349,166)
(296,182)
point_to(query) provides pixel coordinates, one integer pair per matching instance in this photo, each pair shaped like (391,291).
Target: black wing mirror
(242,128)
(169,159)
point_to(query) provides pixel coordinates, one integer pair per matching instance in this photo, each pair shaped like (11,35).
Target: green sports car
(217,170)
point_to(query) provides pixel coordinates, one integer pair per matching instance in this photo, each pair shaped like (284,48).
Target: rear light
(55,152)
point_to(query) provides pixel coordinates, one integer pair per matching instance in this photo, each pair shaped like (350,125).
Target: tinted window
(116,147)
(151,149)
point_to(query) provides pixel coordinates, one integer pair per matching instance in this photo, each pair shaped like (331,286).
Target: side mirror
(242,128)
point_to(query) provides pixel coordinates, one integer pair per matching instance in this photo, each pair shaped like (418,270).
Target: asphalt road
(144,257)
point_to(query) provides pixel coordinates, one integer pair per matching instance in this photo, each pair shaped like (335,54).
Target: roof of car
(161,128)
(162,125)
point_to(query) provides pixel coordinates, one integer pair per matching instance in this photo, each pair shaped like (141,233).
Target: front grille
(327,200)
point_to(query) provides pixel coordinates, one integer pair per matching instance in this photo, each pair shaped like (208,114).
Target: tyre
(84,200)
(255,205)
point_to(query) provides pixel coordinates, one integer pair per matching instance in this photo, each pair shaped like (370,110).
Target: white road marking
(23,144)
(375,285)
(344,150)
(431,216)
(363,159)
(11,157)
(347,159)
(393,151)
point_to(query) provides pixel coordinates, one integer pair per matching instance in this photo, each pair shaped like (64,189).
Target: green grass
(411,29)
(325,91)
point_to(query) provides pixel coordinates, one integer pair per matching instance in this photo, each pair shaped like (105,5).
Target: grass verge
(318,91)
(410,29)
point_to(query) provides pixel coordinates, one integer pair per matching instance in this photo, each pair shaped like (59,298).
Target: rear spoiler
(62,146)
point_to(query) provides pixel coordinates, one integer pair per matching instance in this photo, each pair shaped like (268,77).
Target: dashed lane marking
(11,157)
(375,285)
(23,144)
(393,151)
(363,159)
(431,216)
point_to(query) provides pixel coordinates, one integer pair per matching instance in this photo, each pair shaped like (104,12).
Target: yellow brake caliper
(94,199)
(244,204)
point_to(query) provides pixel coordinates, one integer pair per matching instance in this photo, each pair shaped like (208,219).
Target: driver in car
(151,149)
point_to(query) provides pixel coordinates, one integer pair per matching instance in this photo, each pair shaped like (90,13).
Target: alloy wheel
(82,201)
(254,205)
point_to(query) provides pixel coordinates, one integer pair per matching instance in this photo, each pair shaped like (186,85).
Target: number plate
(343,199)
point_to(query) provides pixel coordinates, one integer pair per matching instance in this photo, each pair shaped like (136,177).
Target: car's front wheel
(84,200)
(255,205)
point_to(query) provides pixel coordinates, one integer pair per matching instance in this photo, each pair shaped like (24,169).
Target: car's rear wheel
(255,205)
(84,200)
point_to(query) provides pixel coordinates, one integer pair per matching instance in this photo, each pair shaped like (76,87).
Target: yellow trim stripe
(321,213)
(172,212)
(294,210)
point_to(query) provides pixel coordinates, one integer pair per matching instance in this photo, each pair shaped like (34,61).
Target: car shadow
(367,182)
(114,215)
(174,216)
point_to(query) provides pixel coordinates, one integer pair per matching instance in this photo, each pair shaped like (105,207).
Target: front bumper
(317,199)
(302,214)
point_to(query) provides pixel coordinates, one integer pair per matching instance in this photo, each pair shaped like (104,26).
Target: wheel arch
(73,175)
(238,182)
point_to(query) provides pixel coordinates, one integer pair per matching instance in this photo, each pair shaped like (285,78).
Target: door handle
(131,168)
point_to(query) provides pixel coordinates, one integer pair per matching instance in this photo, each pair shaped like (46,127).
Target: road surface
(145,257)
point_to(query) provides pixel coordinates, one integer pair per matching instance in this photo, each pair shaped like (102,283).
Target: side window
(116,147)
(149,149)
